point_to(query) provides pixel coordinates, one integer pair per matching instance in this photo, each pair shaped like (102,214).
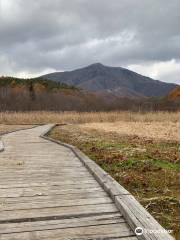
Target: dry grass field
(165,130)
(86,117)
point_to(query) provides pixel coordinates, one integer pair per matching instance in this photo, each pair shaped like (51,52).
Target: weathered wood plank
(50,193)
(93,220)
(41,198)
(30,215)
(90,232)
(67,183)
(54,203)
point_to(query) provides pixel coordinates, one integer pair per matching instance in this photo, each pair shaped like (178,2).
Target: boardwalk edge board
(1,146)
(134,213)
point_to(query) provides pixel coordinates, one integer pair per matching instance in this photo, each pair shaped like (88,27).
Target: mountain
(117,81)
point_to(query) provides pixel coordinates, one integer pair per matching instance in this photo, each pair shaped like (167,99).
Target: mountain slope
(98,77)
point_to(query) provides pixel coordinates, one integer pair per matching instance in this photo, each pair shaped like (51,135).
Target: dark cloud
(42,35)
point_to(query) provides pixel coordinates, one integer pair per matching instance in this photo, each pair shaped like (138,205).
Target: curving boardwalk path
(47,193)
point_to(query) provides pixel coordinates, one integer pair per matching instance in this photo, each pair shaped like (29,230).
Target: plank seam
(56,206)
(49,218)
(69,227)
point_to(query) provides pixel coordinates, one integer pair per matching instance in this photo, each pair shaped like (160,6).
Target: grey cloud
(65,34)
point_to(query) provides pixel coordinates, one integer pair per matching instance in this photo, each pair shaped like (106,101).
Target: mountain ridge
(98,77)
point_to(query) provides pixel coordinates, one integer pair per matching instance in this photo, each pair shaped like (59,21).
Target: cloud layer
(44,35)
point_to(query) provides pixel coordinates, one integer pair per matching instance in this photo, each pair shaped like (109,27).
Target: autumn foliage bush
(175,94)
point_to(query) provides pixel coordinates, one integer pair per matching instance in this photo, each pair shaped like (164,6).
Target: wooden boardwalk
(47,193)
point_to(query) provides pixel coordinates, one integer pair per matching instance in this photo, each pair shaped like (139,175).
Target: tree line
(39,94)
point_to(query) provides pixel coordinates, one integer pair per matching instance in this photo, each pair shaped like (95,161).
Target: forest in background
(39,94)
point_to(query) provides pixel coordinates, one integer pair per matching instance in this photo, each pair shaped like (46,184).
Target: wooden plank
(30,215)
(31,193)
(47,188)
(90,232)
(67,183)
(43,179)
(41,198)
(92,220)
(54,203)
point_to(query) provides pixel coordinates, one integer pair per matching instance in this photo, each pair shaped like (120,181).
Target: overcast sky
(40,36)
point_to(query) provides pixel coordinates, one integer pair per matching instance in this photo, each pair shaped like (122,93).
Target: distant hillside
(18,94)
(115,80)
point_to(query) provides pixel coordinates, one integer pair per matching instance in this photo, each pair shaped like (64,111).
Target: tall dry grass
(153,130)
(85,117)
